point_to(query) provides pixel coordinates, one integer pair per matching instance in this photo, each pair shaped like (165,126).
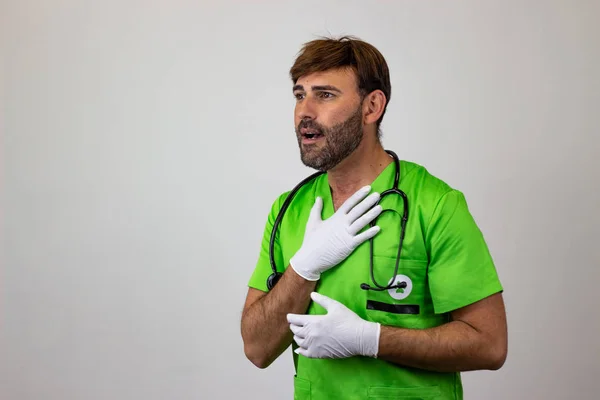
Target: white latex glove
(327,243)
(338,334)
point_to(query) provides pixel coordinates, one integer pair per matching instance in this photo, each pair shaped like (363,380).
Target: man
(357,329)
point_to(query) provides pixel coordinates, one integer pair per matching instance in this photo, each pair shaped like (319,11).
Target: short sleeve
(262,270)
(461,269)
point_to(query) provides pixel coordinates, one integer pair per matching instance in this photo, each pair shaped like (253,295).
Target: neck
(357,170)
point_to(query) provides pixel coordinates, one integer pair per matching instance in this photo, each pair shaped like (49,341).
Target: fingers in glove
(354,199)
(302,351)
(363,207)
(316,212)
(366,235)
(297,319)
(299,341)
(326,302)
(365,220)
(298,330)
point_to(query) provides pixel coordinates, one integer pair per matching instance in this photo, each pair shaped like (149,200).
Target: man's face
(328,117)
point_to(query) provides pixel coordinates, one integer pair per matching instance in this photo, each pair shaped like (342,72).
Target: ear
(373,106)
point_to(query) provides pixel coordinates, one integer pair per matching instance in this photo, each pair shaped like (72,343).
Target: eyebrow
(319,87)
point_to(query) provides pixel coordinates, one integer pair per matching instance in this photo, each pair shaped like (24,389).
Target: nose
(305,109)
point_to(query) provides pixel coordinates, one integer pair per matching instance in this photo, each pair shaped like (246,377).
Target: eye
(326,95)
(299,96)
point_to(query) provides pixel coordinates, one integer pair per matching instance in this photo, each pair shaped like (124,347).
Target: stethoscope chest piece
(273,279)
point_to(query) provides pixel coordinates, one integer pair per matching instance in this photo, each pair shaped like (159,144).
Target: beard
(340,141)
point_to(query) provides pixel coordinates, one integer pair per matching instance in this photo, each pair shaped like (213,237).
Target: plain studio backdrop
(143,143)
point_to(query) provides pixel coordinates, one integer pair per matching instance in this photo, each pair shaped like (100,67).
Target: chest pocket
(411,305)
(406,307)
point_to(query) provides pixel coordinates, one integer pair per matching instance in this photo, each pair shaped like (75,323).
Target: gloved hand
(327,243)
(338,334)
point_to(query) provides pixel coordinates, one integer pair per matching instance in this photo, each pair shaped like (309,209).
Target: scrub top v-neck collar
(382,182)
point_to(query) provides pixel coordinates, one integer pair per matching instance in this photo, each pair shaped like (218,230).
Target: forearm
(265,330)
(452,347)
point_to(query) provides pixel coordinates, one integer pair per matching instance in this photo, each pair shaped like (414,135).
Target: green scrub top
(445,262)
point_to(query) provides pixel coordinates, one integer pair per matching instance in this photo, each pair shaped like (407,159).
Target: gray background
(144,141)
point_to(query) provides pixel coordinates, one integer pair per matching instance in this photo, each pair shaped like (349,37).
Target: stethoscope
(275,276)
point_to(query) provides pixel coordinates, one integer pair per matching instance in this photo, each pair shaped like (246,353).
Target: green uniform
(445,262)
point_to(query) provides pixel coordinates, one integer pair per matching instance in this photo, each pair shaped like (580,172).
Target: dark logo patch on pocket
(393,308)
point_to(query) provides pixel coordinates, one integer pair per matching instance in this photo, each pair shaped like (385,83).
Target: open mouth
(311,135)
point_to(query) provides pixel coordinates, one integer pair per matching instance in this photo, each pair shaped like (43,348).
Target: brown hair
(348,51)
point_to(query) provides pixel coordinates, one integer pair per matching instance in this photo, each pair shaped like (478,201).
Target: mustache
(310,124)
